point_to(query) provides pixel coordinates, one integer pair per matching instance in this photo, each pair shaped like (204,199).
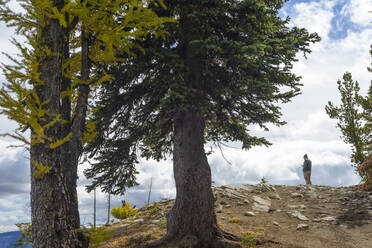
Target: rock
(275,197)
(276,223)
(223,202)
(328,218)
(263,187)
(312,194)
(317,220)
(322,212)
(227,206)
(298,215)
(246,201)
(260,207)
(249,213)
(351,194)
(246,188)
(261,201)
(155,221)
(232,193)
(296,195)
(137,221)
(335,222)
(239,203)
(261,204)
(302,227)
(226,187)
(297,206)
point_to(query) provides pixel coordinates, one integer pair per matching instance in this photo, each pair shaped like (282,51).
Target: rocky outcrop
(300,216)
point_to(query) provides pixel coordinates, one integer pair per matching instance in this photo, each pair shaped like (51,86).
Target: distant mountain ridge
(7,238)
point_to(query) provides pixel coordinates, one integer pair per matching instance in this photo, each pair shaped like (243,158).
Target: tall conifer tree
(349,117)
(224,68)
(48,91)
(354,116)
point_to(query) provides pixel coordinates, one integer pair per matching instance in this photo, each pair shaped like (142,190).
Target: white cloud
(329,60)
(332,58)
(8,228)
(314,16)
(14,216)
(6,152)
(359,11)
(280,162)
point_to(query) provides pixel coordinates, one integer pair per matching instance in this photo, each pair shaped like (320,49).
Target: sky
(345,27)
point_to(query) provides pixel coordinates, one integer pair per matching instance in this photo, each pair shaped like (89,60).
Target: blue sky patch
(341,22)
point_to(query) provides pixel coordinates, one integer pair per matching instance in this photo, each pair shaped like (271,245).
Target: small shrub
(96,235)
(124,212)
(25,240)
(163,224)
(153,207)
(228,212)
(234,220)
(264,180)
(248,240)
(156,236)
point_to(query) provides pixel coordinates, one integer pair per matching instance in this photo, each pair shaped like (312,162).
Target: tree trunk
(54,211)
(192,221)
(54,203)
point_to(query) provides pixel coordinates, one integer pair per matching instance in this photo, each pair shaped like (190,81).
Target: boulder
(302,227)
(249,213)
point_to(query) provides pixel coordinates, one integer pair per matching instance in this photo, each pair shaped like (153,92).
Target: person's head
(305,156)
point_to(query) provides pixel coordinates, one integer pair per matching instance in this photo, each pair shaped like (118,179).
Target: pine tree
(366,103)
(224,68)
(349,117)
(354,117)
(48,91)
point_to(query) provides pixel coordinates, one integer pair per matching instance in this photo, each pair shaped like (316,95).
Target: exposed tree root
(227,240)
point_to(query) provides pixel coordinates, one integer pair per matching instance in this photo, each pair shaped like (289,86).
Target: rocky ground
(273,216)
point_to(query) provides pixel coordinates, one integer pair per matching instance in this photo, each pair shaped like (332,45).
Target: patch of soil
(273,216)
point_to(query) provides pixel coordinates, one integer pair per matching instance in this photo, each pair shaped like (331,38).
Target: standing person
(306,167)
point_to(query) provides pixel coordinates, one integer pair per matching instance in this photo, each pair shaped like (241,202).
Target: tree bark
(192,221)
(193,212)
(54,203)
